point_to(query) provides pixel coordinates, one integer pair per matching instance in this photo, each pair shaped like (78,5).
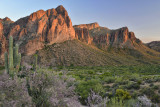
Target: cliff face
(104,37)
(37,30)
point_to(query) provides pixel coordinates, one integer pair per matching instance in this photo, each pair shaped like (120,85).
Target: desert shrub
(134,95)
(49,90)
(109,80)
(133,86)
(95,99)
(130,103)
(84,87)
(121,81)
(149,81)
(143,101)
(155,87)
(151,85)
(13,92)
(122,95)
(115,85)
(106,74)
(155,98)
(139,82)
(147,91)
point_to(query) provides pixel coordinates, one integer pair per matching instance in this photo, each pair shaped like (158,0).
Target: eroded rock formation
(37,30)
(94,34)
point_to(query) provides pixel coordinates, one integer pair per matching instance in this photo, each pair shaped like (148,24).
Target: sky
(140,16)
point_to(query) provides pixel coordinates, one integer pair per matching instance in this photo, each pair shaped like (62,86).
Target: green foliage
(148,91)
(155,98)
(122,95)
(84,87)
(133,85)
(109,79)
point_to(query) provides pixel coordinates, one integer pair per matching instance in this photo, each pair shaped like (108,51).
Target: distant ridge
(154,45)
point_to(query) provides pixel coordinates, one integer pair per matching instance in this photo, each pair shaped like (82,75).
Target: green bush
(155,98)
(155,87)
(133,86)
(122,95)
(109,80)
(147,91)
(84,87)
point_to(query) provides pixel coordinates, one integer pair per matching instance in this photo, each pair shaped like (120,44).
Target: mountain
(104,37)
(154,45)
(37,30)
(52,37)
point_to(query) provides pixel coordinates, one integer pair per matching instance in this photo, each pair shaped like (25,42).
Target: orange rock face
(104,37)
(42,28)
(39,29)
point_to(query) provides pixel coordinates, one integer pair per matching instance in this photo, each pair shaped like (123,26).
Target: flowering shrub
(13,92)
(95,100)
(47,89)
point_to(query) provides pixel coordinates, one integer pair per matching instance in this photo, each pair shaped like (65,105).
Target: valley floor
(110,86)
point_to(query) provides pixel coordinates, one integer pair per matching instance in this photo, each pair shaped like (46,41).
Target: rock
(83,35)
(104,37)
(3,43)
(88,26)
(37,30)
(154,45)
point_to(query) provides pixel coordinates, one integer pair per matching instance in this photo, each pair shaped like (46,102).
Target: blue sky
(140,16)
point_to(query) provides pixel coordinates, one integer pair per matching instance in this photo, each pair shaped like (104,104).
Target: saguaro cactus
(6,62)
(10,52)
(12,62)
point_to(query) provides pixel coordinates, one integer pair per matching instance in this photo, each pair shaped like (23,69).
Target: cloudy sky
(140,16)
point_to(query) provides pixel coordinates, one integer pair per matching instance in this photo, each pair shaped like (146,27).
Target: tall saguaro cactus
(13,60)
(10,52)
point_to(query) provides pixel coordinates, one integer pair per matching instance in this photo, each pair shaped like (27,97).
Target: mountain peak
(61,10)
(40,28)
(7,19)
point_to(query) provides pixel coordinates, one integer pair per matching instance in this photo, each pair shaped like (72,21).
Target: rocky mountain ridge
(104,37)
(154,45)
(43,28)
(37,30)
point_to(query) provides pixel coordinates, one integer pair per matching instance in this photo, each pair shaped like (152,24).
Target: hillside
(78,53)
(154,45)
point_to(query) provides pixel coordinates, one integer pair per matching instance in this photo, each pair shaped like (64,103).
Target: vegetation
(12,62)
(111,86)
(92,86)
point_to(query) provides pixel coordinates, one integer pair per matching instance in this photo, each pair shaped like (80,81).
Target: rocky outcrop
(83,35)
(104,37)
(2,40)
(88,26)
(37,30)
(154,45)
